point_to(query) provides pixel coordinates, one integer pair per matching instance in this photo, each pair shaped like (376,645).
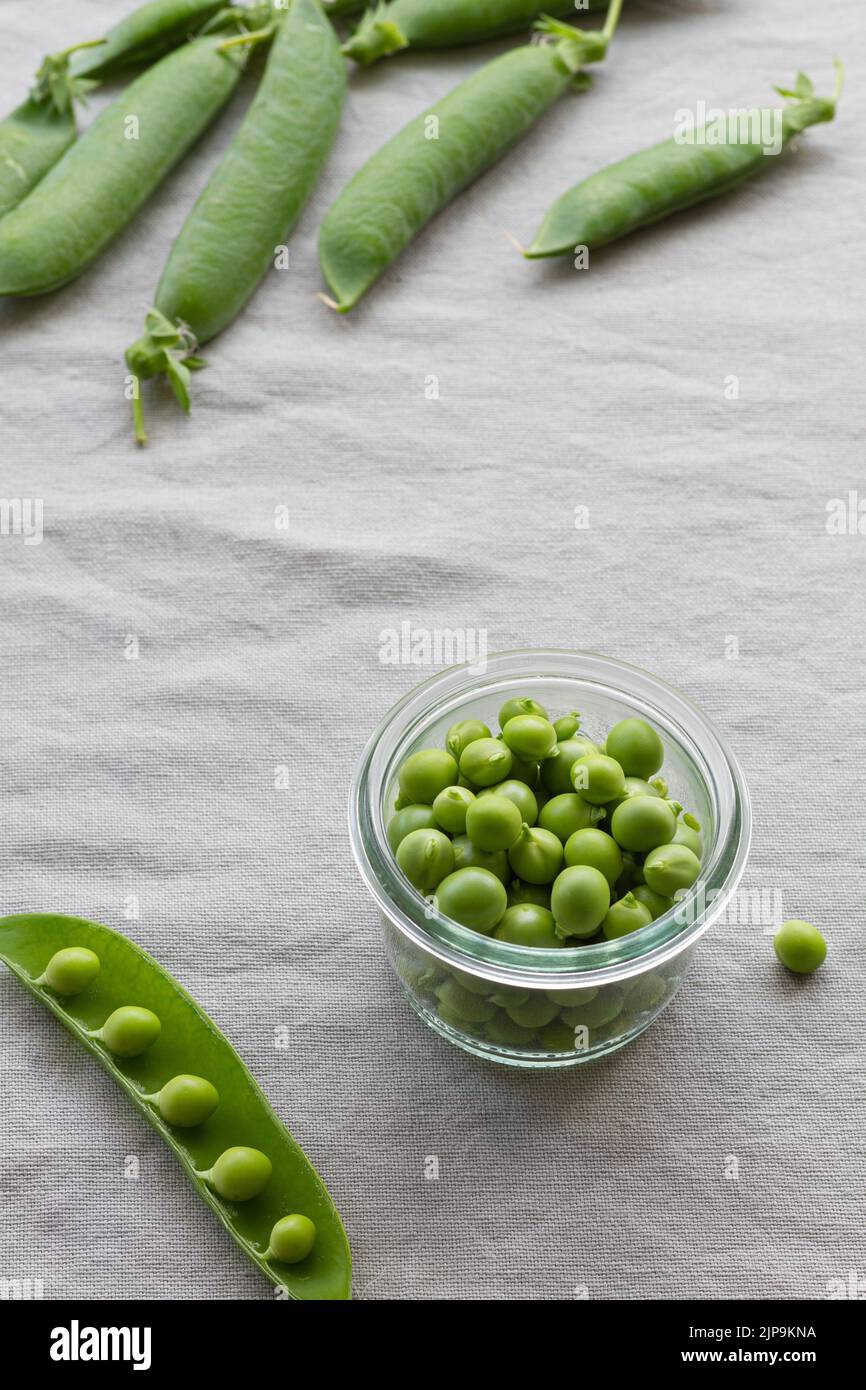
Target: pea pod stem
(250,39)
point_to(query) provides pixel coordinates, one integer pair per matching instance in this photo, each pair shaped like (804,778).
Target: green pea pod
(387,28)
(188,1046)
(104,178)
(251,203)
(445,149)
(147,33)
(338,8)
(39,131)
(677,174)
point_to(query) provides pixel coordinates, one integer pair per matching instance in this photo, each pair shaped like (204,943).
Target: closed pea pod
(193,1088)
(251,202)
(440,153)
(389,28)
(106,176)
(672,176)
(146,33)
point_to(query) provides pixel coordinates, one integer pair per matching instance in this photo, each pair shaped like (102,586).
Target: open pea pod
(188,1044)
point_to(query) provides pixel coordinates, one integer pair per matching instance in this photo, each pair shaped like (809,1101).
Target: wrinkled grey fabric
(140,790)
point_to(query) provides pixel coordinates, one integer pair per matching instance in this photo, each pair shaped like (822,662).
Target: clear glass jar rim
(567,967)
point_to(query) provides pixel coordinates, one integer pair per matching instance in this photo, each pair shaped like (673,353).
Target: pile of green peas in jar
(540,836)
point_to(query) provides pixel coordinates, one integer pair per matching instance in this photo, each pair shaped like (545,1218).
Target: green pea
(426,857)
(536,855)
(186,1101)
(669,868)
(453,1020)
(450,807)
(526,924)
(632,874)
(71,970)
(633,786)
(636,746)
(530,736)
(473,983)
(566,725)
(568,998)
(596,848)
(292,1239)
(493,823)
(534,1013)
(580,900)
(510,994)
(606,1006)
(407,819)
(474,1008)
(556,771)
(556,1036)
(642,822)
(240,1174)
(464,732)
(566,813)
(469,856)
(520,892)
(523,797)
(656,902)
(597,778)
(689,835)
(474,897)
(129,1031)
(503,1030)
(518,705)
(645,992)
(425,774)
(521,770)
(800,946)
(485,762)
(625,916)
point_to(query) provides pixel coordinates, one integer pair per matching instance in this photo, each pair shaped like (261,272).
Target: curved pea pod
(439,154)
(390,27)
(251,203)
(148,32)
(675,175)
(109,173)
(189,1042)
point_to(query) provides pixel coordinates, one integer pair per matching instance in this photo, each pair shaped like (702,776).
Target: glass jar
(526,1006)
